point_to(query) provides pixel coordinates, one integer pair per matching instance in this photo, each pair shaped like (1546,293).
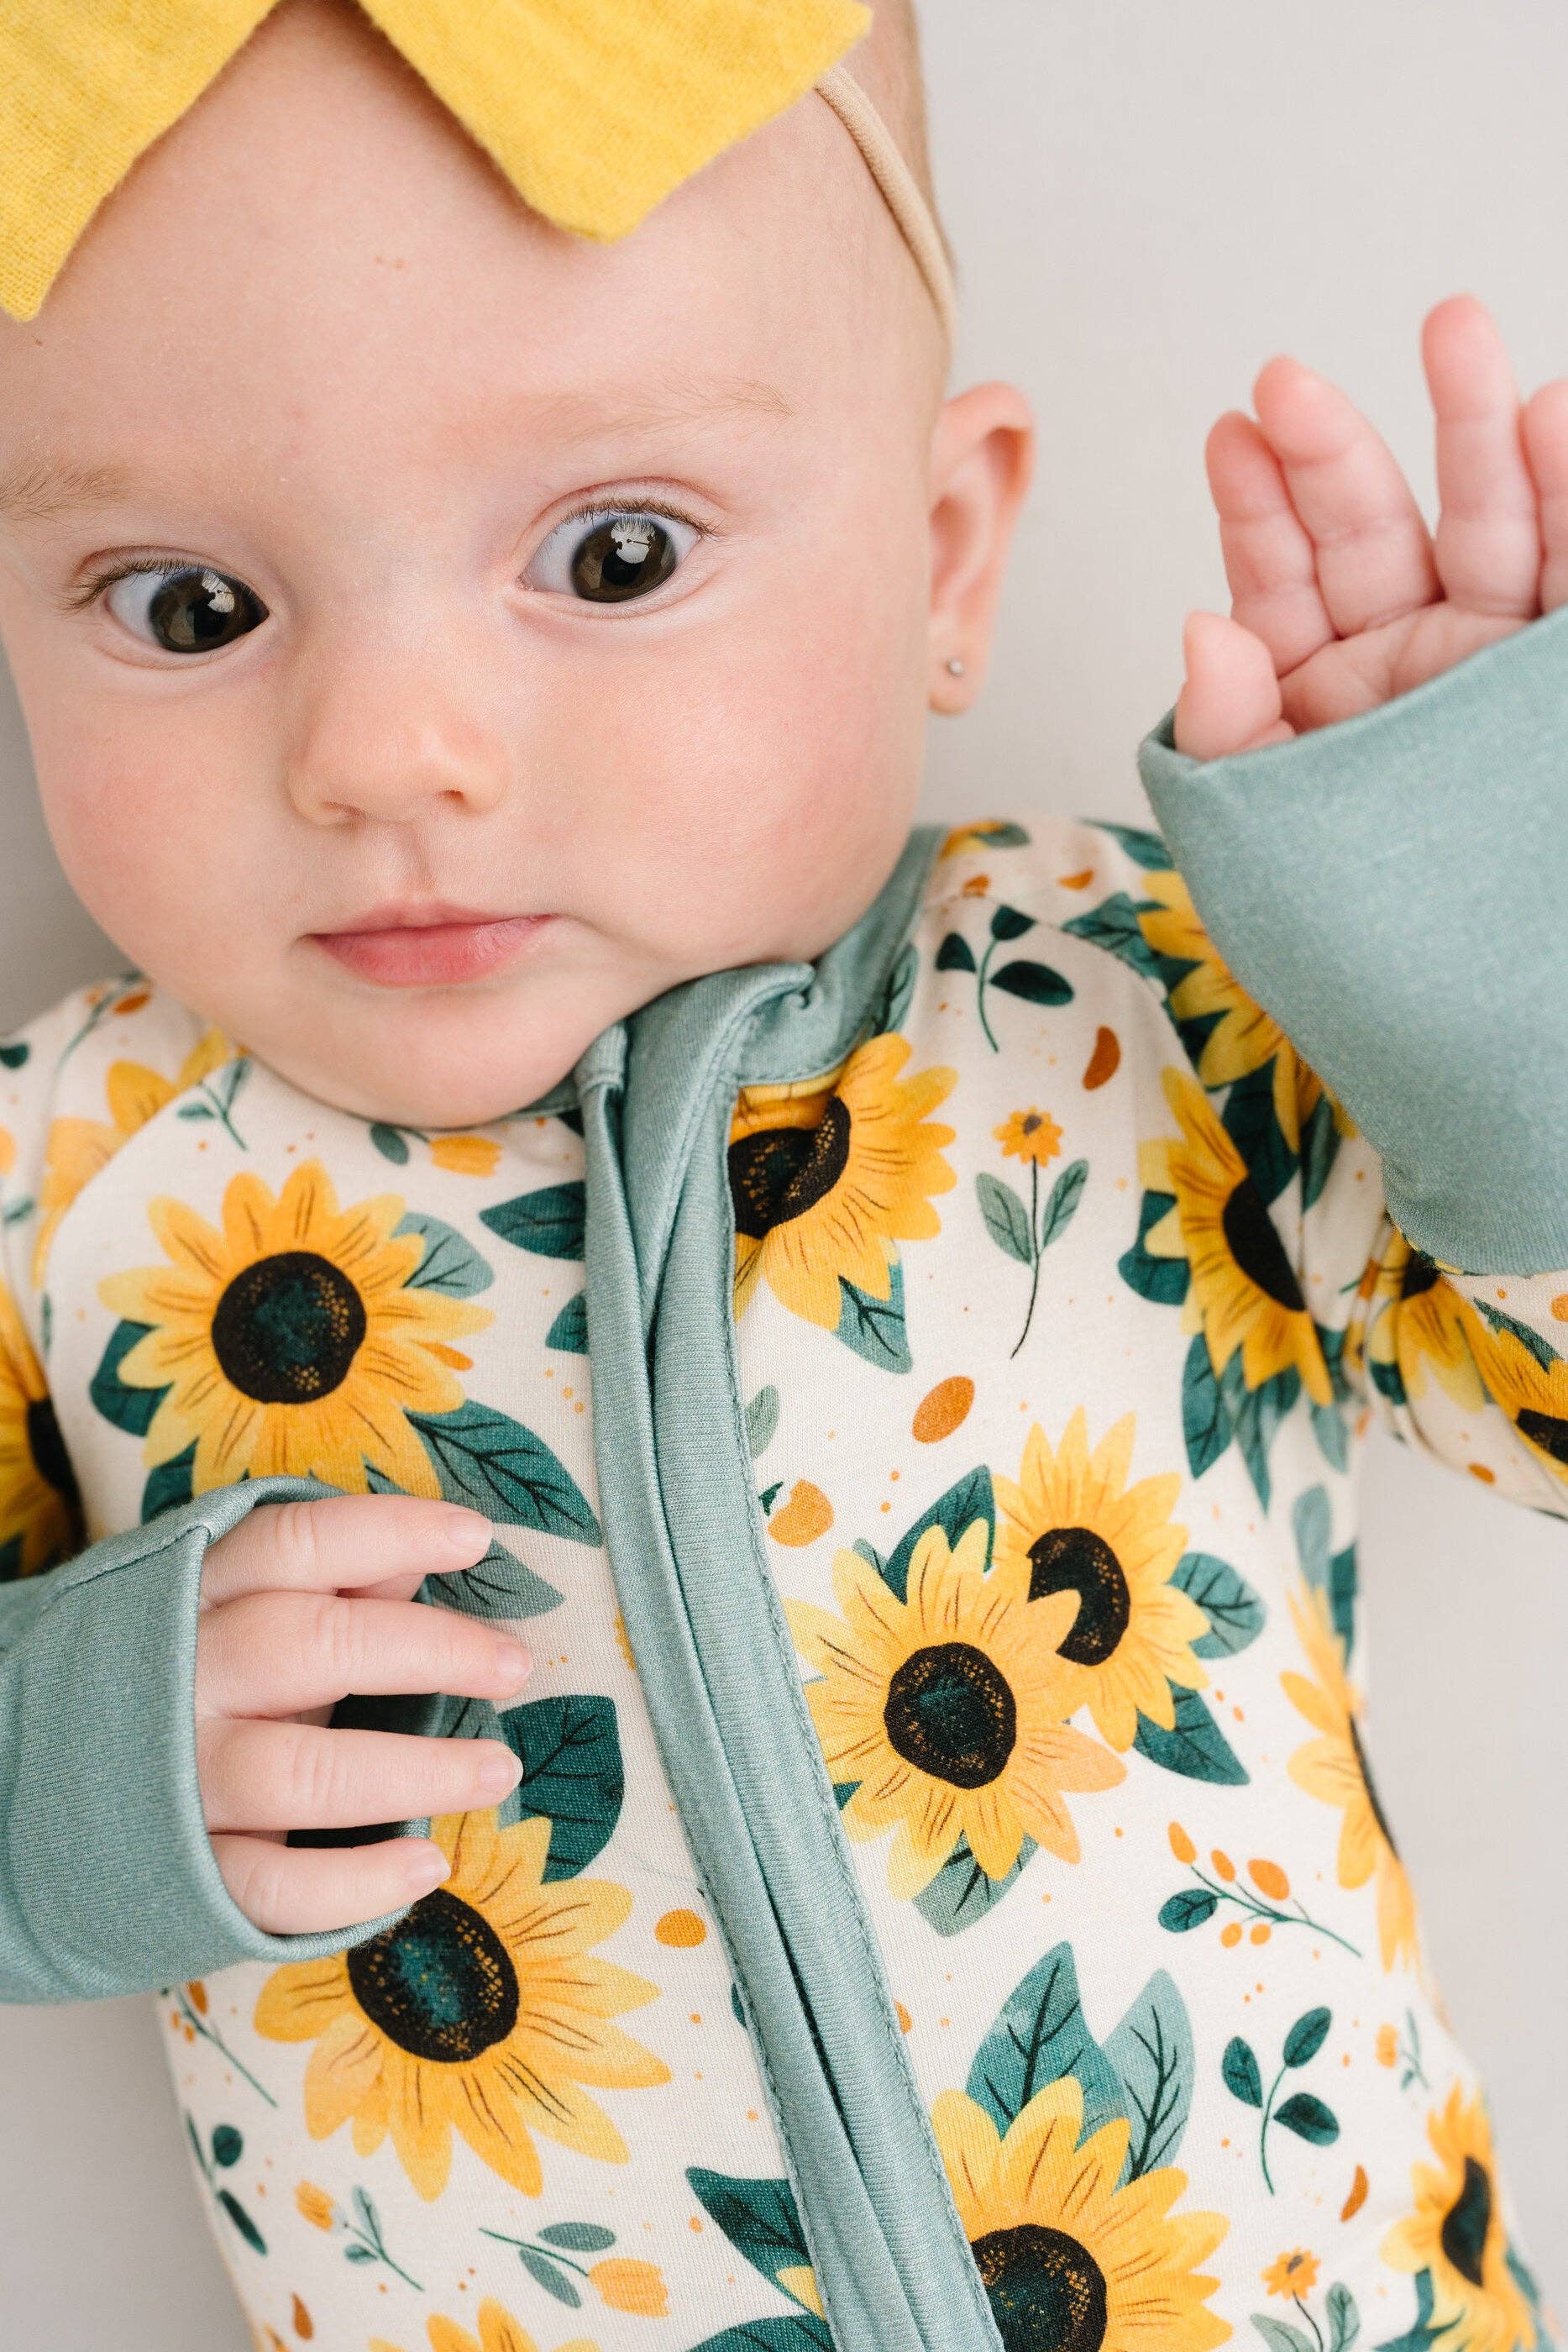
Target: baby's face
(535,624)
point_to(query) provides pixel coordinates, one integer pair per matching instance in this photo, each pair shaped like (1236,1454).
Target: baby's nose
(390,741)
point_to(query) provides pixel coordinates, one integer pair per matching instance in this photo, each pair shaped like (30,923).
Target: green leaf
(390,1144)
(1163,1279)
(900,989)
(1256,1416)
(1320,1150)
(10,1560)
(1037,984)
(1242,2077)
(131,1409)
(545,2273)
(1114,926)
(578,2237)
(1279,2336)
(569,1332)
(1310,1521)
(1333,1436)
(1236,1615)
(1422,2336)
(870,1554)
(549,1223)
(762,1421)
(1007,1219)
(961,1891)
(971,1498)
(770,1496)
(1010,923)
(1152,2053)
(15,1055)
(195,1110)
(228,2146)
(1194,1745)
(955,954)
(1252,1123)
(1307,2037)
(1000,835)
(1532,1341)
(1062,1205)
(355,2252)
(1205,1424)
(492,1463)
(1309,2119)
(364,2207)
(241,2220)
(759,2219)
(1144,848)
(450,1264)
(1040,2036)
(569,1748)
(874,1328)
(1345,2319)
(796,2332)
(170,1486)
(1193,1907)
(501,1585)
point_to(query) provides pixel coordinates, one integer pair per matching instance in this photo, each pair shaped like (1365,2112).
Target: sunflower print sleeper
(1061,1304)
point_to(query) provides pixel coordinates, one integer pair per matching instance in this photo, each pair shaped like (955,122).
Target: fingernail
(426,1866)
(498,1771)
(512,1664)
(464,1529)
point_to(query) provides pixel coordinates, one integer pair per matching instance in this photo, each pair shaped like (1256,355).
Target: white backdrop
(1149,197)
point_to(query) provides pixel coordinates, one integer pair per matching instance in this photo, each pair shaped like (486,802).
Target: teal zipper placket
(682,1523)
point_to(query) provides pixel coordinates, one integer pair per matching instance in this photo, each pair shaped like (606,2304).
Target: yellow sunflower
(1073,1524)
(294,1340)
(37,1489)
(78,1149)
(947,1708)
(1244,1292)
(1245,1037)
(1415,1318)
(1335,1768)
(1072,2263)
(1456,2234)
(498,2332)
(829,1176)
(1533,1395)
(482,2008)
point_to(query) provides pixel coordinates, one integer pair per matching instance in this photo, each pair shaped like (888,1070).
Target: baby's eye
(184,608)
(611,555)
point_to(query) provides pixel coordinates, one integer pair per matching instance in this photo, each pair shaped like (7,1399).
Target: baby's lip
(429,943)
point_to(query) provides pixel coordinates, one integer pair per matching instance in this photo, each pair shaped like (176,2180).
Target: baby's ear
(982,461)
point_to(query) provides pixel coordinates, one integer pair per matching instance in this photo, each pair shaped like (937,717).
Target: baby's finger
(1372,549)
(304,1890)
(1230,700)
(1546,444)
(293,1776)
(273,1653)
(1268,557)
(342,1541)
(1488,544)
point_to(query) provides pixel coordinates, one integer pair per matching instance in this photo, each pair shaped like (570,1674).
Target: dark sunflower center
(1544,1429)
(48,1448)
(439,1984)
(1047,2292)
(781,1172)
(288,1328)
(1467,2222)
(1253,1240)
(1371,1796)
(1419,1275)
(1075,1560)
(951,1712)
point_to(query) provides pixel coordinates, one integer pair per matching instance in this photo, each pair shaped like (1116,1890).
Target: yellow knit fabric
(594,110)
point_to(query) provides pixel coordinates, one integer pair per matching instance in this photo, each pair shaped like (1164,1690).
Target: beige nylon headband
(899,186)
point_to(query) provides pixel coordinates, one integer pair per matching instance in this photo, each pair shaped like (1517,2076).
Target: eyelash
(165,562)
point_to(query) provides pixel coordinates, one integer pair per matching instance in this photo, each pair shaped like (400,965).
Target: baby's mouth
(430,944)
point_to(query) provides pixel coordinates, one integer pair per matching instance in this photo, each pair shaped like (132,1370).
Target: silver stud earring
(955,666)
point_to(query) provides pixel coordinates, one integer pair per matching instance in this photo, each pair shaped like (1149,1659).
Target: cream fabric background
(1149,197)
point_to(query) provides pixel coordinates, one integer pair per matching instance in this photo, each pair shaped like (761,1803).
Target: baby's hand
(301,1604)
(1341,597)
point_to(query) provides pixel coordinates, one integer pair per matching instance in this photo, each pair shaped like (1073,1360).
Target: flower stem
(1311,2322)
(200,2025)
(1035,1247)
(1263,2135)
(981,1001)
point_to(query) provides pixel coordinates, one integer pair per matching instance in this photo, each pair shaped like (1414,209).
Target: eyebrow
(44,487)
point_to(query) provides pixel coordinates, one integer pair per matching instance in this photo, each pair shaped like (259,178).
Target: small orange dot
(905,2020)
(1479,1470)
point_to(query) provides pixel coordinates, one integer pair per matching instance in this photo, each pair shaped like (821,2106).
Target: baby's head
(600,590)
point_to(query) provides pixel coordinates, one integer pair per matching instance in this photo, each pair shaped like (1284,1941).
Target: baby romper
(946,1903)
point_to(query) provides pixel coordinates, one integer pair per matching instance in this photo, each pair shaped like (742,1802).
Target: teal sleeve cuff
(1394,890)
(109,1883)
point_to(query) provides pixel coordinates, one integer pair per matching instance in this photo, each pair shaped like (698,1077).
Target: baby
(932,1897)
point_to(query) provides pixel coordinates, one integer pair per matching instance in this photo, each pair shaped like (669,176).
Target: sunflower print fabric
(1060,1307)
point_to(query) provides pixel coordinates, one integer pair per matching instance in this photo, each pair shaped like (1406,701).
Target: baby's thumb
(1230,700)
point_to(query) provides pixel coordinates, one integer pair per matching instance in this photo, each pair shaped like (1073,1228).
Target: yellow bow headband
(594,110)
